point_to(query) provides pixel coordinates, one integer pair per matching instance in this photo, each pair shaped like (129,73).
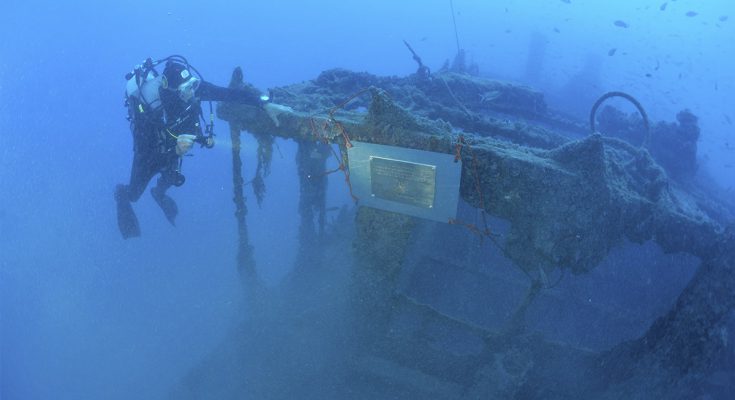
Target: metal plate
(413,182)
(403,181)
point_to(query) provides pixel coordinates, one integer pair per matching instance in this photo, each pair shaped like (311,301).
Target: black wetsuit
(154,147)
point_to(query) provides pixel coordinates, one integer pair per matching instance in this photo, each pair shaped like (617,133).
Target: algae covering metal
(413,182)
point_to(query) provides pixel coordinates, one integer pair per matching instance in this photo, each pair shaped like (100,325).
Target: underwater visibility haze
(579,265)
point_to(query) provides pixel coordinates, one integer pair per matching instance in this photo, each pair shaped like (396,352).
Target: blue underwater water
(88,315)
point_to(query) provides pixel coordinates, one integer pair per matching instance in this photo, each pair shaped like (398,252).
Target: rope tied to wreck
(325,131)
(320,134)
(483,231)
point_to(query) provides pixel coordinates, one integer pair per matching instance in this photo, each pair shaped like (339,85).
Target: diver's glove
(274,110)
(184,143)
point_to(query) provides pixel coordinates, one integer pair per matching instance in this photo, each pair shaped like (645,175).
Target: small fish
(663,6)
(648,75)
(620,24)
(612,52)
(716,87)
(658,65)
(691,14)
(557,30)
(728,120)
(679,75)
(723,18)
(508,31)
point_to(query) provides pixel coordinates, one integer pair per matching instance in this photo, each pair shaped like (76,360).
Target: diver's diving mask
(188,89)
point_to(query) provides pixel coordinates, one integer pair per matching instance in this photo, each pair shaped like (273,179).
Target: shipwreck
(545,195)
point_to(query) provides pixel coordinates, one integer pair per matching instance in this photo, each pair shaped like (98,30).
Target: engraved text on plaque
(403,182)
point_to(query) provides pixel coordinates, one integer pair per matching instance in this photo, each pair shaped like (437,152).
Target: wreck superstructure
(566,197)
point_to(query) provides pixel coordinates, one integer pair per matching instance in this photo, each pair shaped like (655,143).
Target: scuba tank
(145,89)
(141,90)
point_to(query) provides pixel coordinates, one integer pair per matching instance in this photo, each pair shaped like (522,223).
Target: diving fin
(126,219)
(167,204)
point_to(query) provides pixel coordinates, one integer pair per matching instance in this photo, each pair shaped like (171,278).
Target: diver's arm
(245,95)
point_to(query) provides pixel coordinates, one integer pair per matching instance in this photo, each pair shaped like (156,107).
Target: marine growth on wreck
(541,194)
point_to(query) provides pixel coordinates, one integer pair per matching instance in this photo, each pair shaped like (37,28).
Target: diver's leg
(143,170)
(140,174)
(170,176)
(127,221)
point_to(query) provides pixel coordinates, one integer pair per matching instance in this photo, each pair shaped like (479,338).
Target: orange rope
(320,133)
(461,143)
(472,227)
(458,149)
(343,131)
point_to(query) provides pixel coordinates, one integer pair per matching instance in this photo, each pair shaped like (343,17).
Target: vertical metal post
(245,260)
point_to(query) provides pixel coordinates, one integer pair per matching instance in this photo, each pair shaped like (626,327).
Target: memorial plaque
(420,183)
(402,181)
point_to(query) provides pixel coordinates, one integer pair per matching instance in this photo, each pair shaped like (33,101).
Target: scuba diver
(166,120)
